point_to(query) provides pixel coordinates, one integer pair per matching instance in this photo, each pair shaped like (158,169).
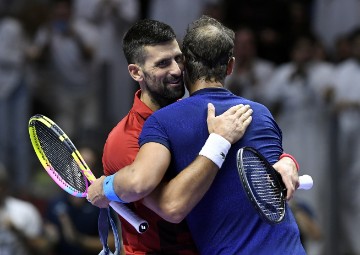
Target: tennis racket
(103,226)
(66,167)
(263,184)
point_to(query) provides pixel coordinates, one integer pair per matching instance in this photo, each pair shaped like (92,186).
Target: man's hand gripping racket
(263,184)
(66,167)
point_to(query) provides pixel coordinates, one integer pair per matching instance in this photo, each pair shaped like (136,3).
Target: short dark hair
(207,47)
(145,32)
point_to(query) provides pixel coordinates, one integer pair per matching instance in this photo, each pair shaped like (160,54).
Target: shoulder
(257,107)
(120,147)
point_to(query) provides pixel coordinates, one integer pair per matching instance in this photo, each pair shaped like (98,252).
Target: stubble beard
(163,95)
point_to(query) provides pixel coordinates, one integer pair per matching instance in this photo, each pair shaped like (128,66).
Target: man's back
(224,221)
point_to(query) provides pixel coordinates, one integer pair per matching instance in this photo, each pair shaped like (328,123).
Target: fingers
(95,194)
(243,111)
(287,181)
(289,175)
(290,190)
(211,111)
(245,115)
(236,109)
(246,122)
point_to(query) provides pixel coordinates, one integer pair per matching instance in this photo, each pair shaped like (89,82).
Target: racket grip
(127,214)
(306,182)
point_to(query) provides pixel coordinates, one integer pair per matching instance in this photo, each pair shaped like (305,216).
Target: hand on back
(231,124)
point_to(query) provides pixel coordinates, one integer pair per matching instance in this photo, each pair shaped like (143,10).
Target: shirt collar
(140,108)
(210,90)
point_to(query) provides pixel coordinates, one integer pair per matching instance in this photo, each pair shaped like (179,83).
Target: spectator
(69,46)
(298,93)
(331,19)
(112,18)
(342,49)
(250,73)
(347,106)
(21,225)
(14,100)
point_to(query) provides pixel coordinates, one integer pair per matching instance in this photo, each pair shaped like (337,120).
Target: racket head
(59,157)
(262,184)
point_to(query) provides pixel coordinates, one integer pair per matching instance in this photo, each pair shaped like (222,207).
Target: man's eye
(163,63)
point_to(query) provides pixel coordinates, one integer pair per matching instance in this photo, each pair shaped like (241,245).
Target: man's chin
(177,90)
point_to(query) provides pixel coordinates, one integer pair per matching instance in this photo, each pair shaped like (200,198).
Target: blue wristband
(109,191)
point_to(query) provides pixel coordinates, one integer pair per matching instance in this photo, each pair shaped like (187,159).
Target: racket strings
(60,158)
(266,191)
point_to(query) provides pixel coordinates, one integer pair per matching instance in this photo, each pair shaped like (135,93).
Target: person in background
(300,92)
(21,225)
(14,100)
(113,18)
(250,72)
(68,46)
(347,107)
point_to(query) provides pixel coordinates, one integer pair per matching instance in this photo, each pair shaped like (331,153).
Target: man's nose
(176,68)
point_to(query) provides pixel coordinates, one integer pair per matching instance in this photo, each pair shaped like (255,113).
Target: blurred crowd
(64,59)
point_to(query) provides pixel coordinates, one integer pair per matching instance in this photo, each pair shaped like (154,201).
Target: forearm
(130,185)
(175,199)
(132,182)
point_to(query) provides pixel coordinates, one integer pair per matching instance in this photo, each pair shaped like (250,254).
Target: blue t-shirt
(224,221)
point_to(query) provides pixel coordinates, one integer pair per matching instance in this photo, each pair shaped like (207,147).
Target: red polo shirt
(120,150)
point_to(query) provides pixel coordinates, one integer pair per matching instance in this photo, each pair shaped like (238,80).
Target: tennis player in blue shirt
(224,221)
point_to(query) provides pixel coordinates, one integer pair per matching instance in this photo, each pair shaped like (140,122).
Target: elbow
(173,212)
(137,188)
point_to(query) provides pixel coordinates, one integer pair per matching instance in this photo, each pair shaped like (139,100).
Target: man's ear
(135,72)
(230,66)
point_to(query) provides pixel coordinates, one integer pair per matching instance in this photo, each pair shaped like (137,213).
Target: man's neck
(154,104)
(202,84)
(149,102)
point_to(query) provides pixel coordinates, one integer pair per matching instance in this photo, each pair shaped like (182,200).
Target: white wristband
(215,148)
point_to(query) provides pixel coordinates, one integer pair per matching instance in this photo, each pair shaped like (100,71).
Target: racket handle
(306,182)
(125,212)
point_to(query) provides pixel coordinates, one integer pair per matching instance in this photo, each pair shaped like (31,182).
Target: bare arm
(139,179)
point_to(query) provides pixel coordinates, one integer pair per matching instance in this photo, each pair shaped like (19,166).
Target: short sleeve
(153,131)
